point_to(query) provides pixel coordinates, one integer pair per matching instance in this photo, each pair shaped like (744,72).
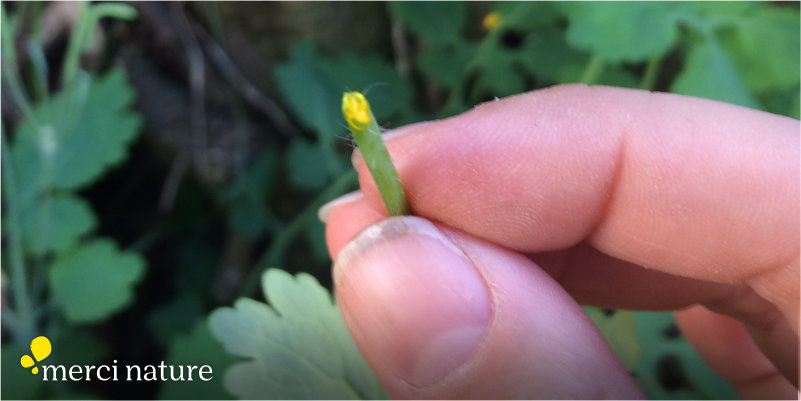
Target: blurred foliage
(92,262)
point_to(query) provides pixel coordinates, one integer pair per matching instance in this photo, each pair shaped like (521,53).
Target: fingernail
(326,209)
(416,304)
(356,156)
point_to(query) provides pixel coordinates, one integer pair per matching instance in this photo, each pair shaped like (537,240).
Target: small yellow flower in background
(491,21)
(356,110)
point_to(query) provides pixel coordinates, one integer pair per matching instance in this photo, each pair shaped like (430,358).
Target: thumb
(439,314)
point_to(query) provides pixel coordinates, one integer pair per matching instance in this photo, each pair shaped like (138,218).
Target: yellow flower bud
(356,110)
(491,21)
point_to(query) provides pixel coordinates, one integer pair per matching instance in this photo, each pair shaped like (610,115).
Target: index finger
(687,186)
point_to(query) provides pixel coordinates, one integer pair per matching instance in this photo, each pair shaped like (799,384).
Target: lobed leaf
(299,347)
(94,280)
(708,72)
(68,142)
(764,47)
(55,224)
(621,31)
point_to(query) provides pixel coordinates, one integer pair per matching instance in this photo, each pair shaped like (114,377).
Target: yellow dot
(35,370)
(356,110)
(491,21)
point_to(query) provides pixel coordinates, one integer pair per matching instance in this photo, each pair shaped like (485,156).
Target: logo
(40,348)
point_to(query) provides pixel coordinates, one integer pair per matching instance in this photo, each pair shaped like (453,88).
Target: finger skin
(612,284)
(619,284)
(538,342)
(726,346)
(686,186)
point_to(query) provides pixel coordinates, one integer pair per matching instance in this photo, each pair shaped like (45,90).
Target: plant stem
(274,254)
(9,65)
(37,57)
(364,128)
(651,72)
(38,70)
(75,46)
(19,279)
(593,71)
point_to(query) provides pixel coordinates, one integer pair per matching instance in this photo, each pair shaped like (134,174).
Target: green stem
(38,69)
(76,45)
(651,73)
(10,67)
(19,278)
(274,254)
(84,29)
(36,55)
(378,161)
(593,71)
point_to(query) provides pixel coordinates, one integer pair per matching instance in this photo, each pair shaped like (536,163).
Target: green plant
(65,142)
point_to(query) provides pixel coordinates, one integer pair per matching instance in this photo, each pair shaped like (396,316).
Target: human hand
(529,206)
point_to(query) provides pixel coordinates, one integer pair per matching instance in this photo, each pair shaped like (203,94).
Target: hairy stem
(365,131)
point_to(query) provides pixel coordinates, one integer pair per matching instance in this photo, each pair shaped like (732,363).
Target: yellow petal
(356,110)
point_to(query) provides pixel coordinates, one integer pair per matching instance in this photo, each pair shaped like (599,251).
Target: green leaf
(68,142)
(95,280)
(312,99)
(621,31)
(445,65)
(303,164)
(550,59)
(765,47)
(435,21)
(198,348)
(297,347)
(709,73)
(55,224)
